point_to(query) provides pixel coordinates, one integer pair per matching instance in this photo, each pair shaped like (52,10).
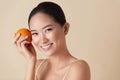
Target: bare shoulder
(79,71)
(81,65)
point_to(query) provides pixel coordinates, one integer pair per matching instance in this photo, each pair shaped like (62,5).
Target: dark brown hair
(51,9)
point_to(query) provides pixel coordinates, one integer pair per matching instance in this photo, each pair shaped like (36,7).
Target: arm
(79,71)
(26,49)
(30,73)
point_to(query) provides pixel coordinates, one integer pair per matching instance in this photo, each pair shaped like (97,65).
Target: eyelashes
(48,30)
(34,34)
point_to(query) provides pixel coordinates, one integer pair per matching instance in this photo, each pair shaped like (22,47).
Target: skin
(49,38)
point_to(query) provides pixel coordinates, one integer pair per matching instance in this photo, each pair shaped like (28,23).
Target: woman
(48,27)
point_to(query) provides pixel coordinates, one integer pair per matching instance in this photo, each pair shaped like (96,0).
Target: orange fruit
(24,32)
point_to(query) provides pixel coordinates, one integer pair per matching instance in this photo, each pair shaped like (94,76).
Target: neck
(59,59)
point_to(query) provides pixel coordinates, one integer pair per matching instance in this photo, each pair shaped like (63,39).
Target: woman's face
(48,36)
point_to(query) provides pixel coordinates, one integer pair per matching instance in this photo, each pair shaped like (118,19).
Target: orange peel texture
(24,32)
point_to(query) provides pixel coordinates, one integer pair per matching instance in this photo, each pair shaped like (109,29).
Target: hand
(25,48)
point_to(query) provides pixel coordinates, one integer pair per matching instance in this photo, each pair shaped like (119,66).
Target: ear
(66,28)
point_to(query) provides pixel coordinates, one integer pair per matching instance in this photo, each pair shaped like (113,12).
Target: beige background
(94,35)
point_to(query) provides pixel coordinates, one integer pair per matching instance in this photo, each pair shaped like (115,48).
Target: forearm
(30,74)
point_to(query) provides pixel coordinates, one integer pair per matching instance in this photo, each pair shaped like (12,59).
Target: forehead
(41,19)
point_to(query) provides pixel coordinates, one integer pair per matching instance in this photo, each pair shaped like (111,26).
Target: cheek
(56,36)
(35,41)
(52,36)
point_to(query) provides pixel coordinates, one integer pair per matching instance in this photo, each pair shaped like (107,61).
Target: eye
(48,30)
(34,34)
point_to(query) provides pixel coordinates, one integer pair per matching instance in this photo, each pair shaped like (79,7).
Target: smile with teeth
(46,46)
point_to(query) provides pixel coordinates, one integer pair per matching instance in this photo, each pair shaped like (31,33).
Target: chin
(48,53)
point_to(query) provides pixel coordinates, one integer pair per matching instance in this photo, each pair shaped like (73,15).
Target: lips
(46,47)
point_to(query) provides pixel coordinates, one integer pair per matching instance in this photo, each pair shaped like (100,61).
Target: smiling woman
(48,27)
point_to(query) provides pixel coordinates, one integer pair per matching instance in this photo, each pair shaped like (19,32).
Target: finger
(25,44)
(16,37)
(21,40)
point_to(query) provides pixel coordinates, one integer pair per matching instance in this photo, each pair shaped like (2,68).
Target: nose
(43,39)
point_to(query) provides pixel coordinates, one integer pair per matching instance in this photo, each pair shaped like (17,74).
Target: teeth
(47,46)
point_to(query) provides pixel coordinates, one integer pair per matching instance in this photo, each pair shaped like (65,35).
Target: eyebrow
(43,27)
(33,30)
(47,26)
